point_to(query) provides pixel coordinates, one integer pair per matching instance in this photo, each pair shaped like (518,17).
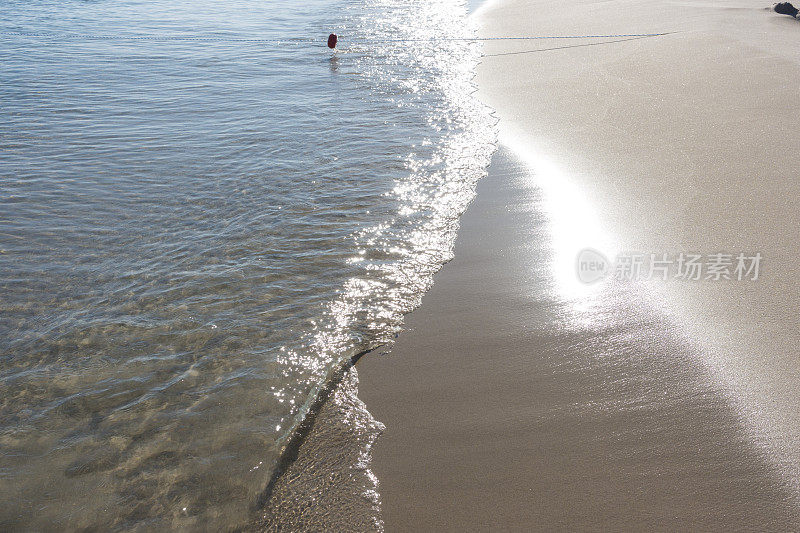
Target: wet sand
(518,398)
(509,408)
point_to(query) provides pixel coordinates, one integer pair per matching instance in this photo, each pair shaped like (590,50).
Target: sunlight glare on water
(195,234)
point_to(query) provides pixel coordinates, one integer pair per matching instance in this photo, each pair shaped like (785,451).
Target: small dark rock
(785,8)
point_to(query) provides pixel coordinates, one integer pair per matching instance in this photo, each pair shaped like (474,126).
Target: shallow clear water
(195,233)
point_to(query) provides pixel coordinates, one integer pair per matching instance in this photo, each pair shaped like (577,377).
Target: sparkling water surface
(195,233)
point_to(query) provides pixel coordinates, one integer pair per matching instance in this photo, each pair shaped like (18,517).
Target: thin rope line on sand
(297,40)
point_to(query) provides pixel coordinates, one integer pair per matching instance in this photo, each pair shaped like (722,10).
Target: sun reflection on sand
(574,225)
(572,218)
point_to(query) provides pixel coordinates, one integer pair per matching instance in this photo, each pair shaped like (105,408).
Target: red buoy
(332,39)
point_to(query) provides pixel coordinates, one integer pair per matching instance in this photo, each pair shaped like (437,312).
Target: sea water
(204,213)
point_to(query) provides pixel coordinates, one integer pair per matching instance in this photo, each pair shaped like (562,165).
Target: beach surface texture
(520,398)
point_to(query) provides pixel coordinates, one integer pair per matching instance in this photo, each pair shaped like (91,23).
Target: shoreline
(513,399)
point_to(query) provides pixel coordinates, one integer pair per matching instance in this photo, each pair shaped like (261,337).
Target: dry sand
(521,399)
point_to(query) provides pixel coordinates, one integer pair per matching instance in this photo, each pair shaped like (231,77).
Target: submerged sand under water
(204,212)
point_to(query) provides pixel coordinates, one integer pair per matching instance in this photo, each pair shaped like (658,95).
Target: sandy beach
(451,265)
(519,398)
